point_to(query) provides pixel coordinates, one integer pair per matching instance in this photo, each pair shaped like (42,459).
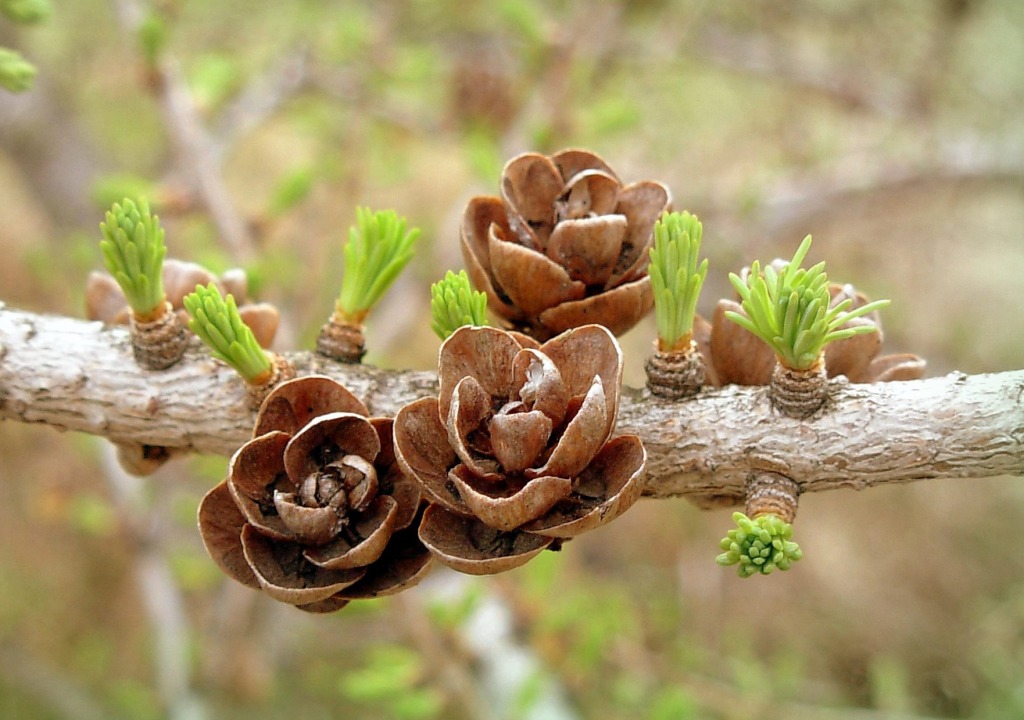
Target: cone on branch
(514,455)
(315,511)
(565,245)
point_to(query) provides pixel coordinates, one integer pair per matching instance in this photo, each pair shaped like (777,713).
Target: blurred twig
(194,143)
(827,192)
(48,686)
(502,667)
(260,99)
(41,134)
(768,58)
(161,594)
(721,697)
(442,659)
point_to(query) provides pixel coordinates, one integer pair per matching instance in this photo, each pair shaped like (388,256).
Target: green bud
(676,276)
(215,320)
(759,545)
(454,303)
(133,252)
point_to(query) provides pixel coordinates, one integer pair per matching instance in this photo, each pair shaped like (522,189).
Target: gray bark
(78,375)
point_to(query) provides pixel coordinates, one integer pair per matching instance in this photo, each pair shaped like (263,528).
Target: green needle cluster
(133,252)
(676,277)
(760,545)
(453,303)
(789,310)
(217,323)
(378,249)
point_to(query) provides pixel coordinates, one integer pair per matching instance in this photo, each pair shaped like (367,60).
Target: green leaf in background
(136,700)
(483,153)
(292,189)
(391,680)
(525,18)
(673,703)
(213,78)
(113,187)
(26,12)
(152,33)
(16,73)
(92,515)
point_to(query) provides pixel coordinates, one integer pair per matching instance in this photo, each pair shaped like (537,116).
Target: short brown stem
(280,370)
(341,340)
(676,374)
(159,338)
(798,393)
(771,493)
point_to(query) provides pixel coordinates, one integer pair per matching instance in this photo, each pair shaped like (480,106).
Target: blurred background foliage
(889,129)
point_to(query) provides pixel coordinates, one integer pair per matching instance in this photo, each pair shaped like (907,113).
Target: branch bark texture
(78,375)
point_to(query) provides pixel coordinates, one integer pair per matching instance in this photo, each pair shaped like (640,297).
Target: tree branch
(80,375)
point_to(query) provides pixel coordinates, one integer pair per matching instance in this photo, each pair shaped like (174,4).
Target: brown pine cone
(515,451)
(565,245)
(315,510)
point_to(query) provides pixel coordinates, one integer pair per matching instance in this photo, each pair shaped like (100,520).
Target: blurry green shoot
(133,252)
(16,73)
(26,12)
(217,323)
(453,303)
(789,310)
(676,278)
(759,545)
(152,36)
(378,249)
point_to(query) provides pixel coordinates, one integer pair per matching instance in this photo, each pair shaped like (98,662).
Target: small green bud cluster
(215,320)
(454,303)
(760,545)
(676,276)
(789,310)
(133,252)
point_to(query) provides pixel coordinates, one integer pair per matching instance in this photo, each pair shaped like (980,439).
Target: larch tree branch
(77,375)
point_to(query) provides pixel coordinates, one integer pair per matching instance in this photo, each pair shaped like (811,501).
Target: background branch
(952,426)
